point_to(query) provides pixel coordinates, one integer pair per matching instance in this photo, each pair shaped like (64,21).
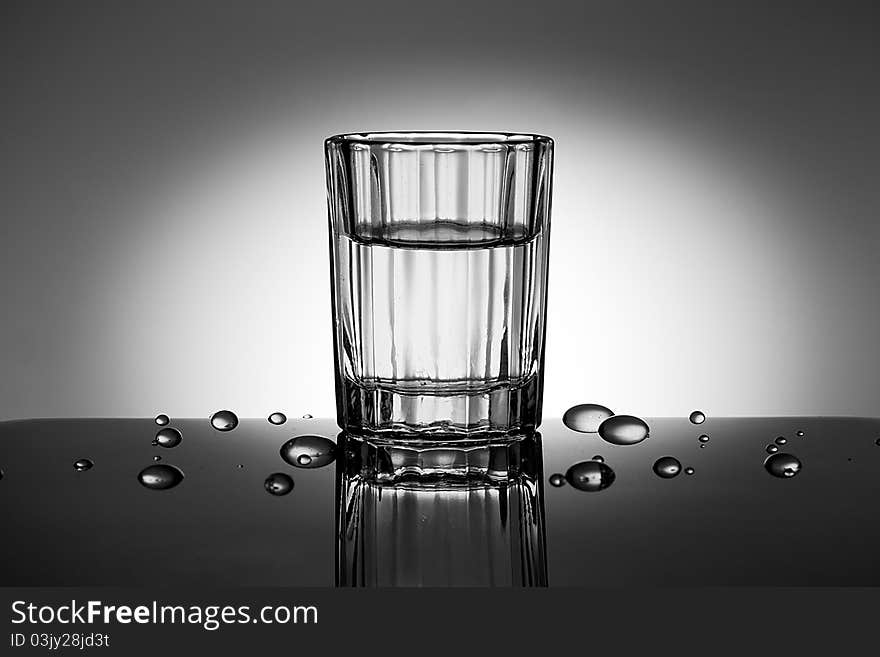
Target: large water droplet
(278,483)
(162,419)
(704,438)
(780,441)
(81,465)
(782,465)
(772,449)
(168,437)
(667,467)
(689,471)
(224,420)
(557,480)
(308,451)
(590,476)
(586,418)
(697,417)
(160,477)
(278,418)
(623,430)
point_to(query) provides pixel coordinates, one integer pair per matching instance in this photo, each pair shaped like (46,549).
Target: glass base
(406,413)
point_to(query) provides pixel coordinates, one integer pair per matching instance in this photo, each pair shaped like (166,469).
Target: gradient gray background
(714,239)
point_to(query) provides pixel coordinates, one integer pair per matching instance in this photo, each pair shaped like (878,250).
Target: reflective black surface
(729,523)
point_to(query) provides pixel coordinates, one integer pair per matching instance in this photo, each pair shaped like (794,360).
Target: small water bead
(689,471)
(586,418)
(157,458)
(877,442)
(800,433)
(278,483)
(162,419)
(160,477)
(667,467)
(623,430)
(782,465)
(277,418)
(557,480)
(2,473)
(224,420)
(239,466)
(598,459)
(168,437)
(81,465)
(308,451)
(697,417)
(780,441)
(590,476)
(703,439)
(772,449)
(155,443)
(307,416)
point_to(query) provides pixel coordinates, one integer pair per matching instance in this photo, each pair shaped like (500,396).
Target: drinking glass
(439,245)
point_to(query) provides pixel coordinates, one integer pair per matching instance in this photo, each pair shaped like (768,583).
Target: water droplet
(782,465)
(623,430)
(2,473)
(697,417)
(689,471)
(157,458)
(168,437)
(308,451)
(590,476)
(278,484)
(307,416)
(81,465)
(224,420)
(557,480)
(772,449)
(780,441)
(160,477)
(239,466)
(162,419)
(277,418)
(704,438)
(155,443)
(667,467)
(800,433)
(586,418)
(598,459)
(877,442)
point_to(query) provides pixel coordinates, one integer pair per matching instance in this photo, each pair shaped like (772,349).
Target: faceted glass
(439,246)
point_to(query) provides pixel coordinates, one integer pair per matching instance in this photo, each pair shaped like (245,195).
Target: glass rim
(439,138)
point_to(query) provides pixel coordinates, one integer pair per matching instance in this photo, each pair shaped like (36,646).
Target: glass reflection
(440,515)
